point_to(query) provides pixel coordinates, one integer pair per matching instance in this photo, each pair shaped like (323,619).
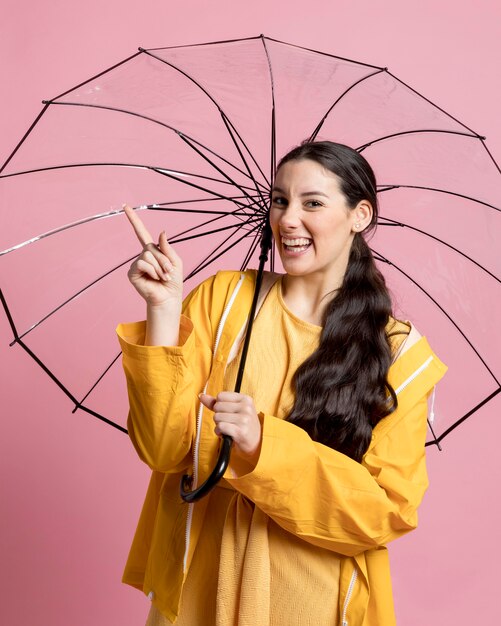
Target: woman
(328,462)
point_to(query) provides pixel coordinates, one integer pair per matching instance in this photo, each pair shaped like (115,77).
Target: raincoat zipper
(353,580)
(219,332)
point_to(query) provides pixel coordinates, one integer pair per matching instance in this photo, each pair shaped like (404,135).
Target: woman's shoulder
(402,335)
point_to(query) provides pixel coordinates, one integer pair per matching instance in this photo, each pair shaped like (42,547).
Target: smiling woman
(329,428)
(325,193)
(312,222)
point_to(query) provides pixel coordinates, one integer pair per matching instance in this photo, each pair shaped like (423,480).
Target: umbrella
(190,135)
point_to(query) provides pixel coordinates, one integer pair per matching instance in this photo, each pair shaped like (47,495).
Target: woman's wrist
(162,324)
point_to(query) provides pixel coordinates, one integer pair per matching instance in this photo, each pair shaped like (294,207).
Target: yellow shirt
(246,569)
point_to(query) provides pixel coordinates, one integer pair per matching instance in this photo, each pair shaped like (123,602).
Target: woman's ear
(361,216)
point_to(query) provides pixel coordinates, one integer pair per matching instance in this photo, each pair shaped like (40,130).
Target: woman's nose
(290,217)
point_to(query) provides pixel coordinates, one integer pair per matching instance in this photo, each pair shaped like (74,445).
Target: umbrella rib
(414,132)
(385,69)
(71,298)
(273,156)
(231,181)
(491,156)
(428,295)
(325,54)
(218,107)
(65,390)
(237,213)
(46,370)
(9,318)
(256,184)
(163,172)
(154,168)
(85,82)
(465,417)
(104,419)
(159,205)
(99,278)
(23,139)
(55,231)
(211,191)
(228,121)
(390,187)
(426,234)
(204,43)
(213,232)
(208,260)
(249,174)
(433,104)
(107,214)
(360,80)
(435,441)
(79,405)
(149,119)
(219,215)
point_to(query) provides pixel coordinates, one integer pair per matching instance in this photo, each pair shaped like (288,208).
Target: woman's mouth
(296,246)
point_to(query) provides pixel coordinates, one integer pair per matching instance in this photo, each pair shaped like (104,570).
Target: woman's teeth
(297,245)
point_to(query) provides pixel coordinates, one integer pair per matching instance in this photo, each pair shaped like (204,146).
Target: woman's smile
(295,246)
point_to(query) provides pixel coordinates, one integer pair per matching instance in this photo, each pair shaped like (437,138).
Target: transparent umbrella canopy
(189,136)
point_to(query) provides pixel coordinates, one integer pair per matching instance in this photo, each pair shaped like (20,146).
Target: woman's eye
(313,204)
(278,201)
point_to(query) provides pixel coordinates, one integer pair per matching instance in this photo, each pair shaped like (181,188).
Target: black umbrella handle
(225,449)
(217,473)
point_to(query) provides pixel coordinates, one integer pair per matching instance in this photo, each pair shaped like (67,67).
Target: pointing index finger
(139,228)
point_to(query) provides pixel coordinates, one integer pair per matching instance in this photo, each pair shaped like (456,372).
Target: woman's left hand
(236,415)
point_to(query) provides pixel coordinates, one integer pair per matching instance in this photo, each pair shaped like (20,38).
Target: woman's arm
(163,383)
(332,501)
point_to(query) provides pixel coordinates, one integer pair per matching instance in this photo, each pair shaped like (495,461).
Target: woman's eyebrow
(305,193)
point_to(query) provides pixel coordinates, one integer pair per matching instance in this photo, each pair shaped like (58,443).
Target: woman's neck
(307,296)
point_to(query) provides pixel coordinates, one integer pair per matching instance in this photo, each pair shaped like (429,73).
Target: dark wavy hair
(341,390)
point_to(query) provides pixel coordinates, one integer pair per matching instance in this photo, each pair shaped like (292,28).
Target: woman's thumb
(207,400)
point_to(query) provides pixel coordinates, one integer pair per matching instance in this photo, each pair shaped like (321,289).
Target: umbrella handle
(225,449)
(216,475)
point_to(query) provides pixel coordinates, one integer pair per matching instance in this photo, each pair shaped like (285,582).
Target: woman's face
(312,224)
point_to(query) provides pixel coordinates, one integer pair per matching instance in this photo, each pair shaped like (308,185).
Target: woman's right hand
(157,273)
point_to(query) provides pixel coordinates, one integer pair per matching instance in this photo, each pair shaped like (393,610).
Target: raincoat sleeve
(163,383)
(330,500)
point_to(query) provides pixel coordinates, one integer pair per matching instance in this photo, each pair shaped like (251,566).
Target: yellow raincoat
(363,506)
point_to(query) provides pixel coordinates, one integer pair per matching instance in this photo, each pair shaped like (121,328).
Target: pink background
(72,487)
